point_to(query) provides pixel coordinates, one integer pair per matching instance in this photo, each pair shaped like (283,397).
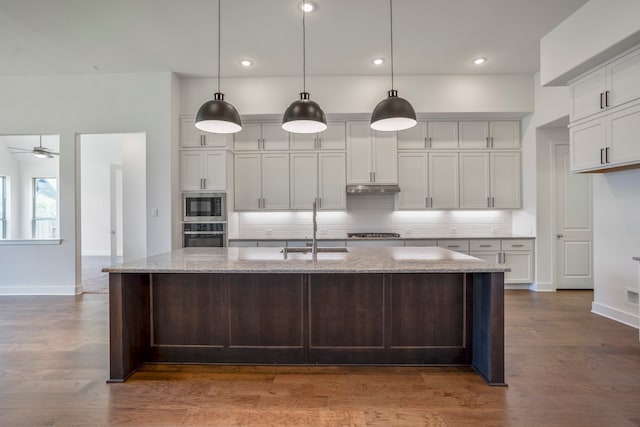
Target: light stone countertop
(271,260)
(410,237)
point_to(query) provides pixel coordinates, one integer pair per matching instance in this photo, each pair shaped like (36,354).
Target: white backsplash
(369,213)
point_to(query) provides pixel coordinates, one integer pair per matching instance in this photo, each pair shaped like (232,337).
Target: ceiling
(343,36)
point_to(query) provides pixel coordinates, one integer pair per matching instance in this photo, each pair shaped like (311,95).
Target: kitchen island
(374,306)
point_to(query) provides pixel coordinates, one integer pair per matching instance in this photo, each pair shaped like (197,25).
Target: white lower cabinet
(517,254)
(490,180)
(319,177)
(203,170)
(427,180)
(261,181)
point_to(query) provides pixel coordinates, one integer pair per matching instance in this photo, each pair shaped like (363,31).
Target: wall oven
(204,207)
(209,235)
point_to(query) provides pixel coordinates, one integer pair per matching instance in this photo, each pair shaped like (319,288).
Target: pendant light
(217,115)
(393,113)
(304,115)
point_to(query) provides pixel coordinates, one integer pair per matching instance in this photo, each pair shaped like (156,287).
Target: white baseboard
(542,287)
(96,253)
(615,314)
(517,286)
(40,290)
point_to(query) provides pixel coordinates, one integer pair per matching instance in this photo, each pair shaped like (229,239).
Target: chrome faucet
(314,243)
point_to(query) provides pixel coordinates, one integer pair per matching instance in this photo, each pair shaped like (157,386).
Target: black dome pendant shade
(393,113)
(304,115)
(217,115)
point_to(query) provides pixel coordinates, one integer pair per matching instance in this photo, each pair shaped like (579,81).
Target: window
(45,208)
(3,207)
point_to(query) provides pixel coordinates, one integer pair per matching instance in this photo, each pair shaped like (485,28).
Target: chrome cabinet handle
(601,153)
(319,142)
(559,236)
(319,202)
(491,142)
(488,202)
(487,142)
(606,98)
(374,177)
(606,155)
(204,183)
(493,202)
(517,246)
(601,100)
(426,202)
(485,246)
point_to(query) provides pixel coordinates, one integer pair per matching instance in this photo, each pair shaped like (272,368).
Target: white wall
(616,204)
(99,152)
(10,167)
(360,94)
(596,32)
(95,103)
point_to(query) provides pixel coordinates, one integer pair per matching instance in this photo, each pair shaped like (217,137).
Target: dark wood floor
(565,367)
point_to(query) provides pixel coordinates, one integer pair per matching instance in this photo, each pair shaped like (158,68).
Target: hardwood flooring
(564,366)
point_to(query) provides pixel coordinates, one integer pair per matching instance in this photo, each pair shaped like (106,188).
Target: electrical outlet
(154,212)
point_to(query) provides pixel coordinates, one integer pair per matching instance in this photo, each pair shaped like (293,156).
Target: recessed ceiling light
(378,61)
(479,61)
(307,6)
(246,63)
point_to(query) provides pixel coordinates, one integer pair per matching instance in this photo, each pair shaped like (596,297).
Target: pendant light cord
(304,51)
(219,1)
(391,29)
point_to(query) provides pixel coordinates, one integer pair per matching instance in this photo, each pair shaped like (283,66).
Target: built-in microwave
(204,207)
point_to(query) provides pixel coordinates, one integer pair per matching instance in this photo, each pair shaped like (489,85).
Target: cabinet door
(275,181)
(443,180)
(587,142)
(624,137)
(474,180)
(191,170)
(247,182)
(504,134)
(585,94)
(215,170)
(303,141)
(334,137)
(248,139)
(473,134)
(489,256)
(274,137)
(623,79)
(413,180)
(505,180)
(304,180)
(442,135)
(521,264)
(190,136)
(332,181)
(385,157)
(414,138)
(359,153)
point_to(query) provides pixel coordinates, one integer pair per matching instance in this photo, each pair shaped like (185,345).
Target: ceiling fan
(40,151)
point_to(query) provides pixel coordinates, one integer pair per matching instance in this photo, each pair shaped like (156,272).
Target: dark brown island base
(368,306)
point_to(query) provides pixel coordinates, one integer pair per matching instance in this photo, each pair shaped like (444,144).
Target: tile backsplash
(369,213)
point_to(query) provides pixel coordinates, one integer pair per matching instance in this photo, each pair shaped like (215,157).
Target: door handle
(559,236)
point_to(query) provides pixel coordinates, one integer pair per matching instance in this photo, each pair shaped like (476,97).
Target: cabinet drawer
(420,242)
(271,243)
(243,243)
(484,245)
(517,245)
(455,245)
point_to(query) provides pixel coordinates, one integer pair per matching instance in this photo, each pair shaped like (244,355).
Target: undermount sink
(309,249)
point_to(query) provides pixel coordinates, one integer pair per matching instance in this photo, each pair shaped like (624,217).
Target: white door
(358,153)
(304,180)
(275,181)
(332,183)
(505,180)
(248,138)
(587,145)
(303,141)
(247,182)
(504,134)
(412,179)
(116,210)
(274,137)
(443,180)
(443,135)
(191,170)
(385,157)
(586,94)
(413,138)
(474,180)
(473,134)
(623,79)
(215,170)
(574,233)
(623,131)
(334,138)
(190,135)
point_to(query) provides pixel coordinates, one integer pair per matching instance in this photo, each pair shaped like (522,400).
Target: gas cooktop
(370,235)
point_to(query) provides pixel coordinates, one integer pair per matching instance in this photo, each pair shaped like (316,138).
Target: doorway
(573,217)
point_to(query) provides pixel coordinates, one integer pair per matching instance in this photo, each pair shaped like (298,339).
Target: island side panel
(488,326)
(128,323)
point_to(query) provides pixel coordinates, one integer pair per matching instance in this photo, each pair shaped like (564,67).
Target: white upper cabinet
(588,141)
(203,170)
(372,157)
(304,180)
(442,135)
(261,181)
(610,85)
(192,137)
(427,180)
(333,138)
(490,180)
(332,194)
(414,138)
(474,180)
(498,134)
(443,181)
(505,180)
(261,136)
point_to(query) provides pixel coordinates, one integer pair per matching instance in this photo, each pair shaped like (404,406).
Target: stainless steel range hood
(372,189)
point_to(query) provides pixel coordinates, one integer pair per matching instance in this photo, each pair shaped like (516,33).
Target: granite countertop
(271,260)
(412,237)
